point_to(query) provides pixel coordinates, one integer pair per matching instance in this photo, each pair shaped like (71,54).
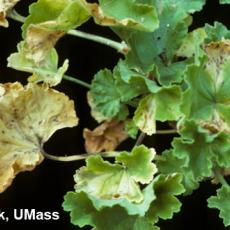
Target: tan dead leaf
(6,5)
(28,117)
(106,136)
(40,39)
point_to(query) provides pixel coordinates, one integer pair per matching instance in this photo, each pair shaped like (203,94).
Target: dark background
(43,188)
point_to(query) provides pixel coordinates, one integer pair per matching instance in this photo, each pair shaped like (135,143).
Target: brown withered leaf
(106,136)
(6,5)
(28,117)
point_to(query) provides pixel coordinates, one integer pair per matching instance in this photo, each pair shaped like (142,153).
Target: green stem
(77,81)
(169,131)
(119,46)
(77,157)
(220,177)
(159,158)
(13,14)
(140,138)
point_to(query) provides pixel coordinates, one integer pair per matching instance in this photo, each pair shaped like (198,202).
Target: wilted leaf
(6,5)
(104,180)
(47,71)
(28,117)
(163,105)
(145,115)
(123,13)
(47,22)
(207,96)
(106,136)
(191,45)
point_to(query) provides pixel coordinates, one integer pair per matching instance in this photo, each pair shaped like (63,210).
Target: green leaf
(136,78)
(116,218)
(222,202)
(166,187)
(131,128)
(216,33)
(163,105)
(224,1)
(111,90)
(132,208)
(112,181)
(191,45)
(159,47)
(171,163)
(195,154)
(123,13)
(64,15)
(145,115)
(47,22)
(47,71)
(207,96)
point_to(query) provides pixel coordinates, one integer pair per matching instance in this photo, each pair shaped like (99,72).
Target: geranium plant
(168,73)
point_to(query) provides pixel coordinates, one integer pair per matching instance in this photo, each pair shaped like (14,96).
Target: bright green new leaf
(112,181)
(123,13)
(216,33)
(115,218)
(47,71)
(161,106)
(166,187)
(222,202)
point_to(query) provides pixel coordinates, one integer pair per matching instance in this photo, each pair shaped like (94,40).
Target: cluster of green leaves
(109,195)
(169,74)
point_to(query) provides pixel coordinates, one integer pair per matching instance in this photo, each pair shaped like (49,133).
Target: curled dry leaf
(28,117)
(6,5)
(106,136)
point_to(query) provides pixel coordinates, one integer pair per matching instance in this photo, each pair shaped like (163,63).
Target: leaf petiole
(121,47)
(77,81)
(220,177)
(77,157)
